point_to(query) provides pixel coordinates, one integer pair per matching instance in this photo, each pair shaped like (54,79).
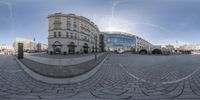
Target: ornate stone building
(70,34)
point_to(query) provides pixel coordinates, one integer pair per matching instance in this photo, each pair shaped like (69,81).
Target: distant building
(29,45)
(44,47)
(6,47)
(70,34)
(170,48)
(39,47)
(190,47)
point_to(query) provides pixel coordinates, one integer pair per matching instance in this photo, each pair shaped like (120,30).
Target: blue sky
(158,21)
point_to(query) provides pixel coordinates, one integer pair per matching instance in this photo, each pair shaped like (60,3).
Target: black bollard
(20,51)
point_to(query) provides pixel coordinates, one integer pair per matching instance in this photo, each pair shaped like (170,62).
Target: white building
(44,47)
(29,45)
(6,47)
(70,34)
(190,47)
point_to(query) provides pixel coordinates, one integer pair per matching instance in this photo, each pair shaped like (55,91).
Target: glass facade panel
(119,41)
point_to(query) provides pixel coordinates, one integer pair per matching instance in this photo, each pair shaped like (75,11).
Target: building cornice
(77,17)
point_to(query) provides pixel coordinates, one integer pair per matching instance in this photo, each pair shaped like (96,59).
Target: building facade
(70,34)
(28,44)
(128,42)
(6,47)
(170,48)
(117,40)
(190,47)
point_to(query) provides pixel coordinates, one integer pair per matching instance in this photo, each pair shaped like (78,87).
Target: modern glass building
(119,40)
(128,42)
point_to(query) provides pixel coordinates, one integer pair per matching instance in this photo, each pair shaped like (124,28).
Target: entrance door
(57,47)
(85,48)
(71,47)
(71,50)
(58,50)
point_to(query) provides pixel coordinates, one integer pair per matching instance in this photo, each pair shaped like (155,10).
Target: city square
(99,50)
(121,76)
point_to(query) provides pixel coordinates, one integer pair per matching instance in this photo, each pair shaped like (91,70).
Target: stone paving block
(111,81)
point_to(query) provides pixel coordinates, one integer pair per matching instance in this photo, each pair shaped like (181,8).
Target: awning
(86,46)
(71,45)
(55,45)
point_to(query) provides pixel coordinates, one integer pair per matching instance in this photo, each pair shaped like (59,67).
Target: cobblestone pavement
(61,62)
(60,56)
(122,76)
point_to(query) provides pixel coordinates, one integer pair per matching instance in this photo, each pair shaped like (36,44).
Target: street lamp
(78,36)
(95,38)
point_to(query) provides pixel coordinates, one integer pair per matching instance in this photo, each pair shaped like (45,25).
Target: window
(71,35)
(59,34)
(57,23)
(75,35)
(75,25)
(67,34)
(68,25)
(54,34)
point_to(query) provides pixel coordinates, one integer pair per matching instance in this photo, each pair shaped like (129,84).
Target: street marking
(131,74)
(11,71)
(167,82)
(182,79)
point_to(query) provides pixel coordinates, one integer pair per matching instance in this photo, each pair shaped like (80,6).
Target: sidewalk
(61,62)
(62,74)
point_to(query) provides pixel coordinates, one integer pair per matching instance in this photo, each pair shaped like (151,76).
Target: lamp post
(95,38)
(78,35)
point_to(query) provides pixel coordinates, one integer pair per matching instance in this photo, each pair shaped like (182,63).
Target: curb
(63,80)
(61,62)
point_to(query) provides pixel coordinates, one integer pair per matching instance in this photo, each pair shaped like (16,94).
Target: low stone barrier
(61,74)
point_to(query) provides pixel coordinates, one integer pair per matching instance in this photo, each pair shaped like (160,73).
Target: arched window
(67,34)
(57,43)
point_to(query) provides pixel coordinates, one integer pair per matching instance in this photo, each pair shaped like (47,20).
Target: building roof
(124,33)
(73,15)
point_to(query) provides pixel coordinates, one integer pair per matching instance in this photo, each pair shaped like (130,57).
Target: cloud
(10,8)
